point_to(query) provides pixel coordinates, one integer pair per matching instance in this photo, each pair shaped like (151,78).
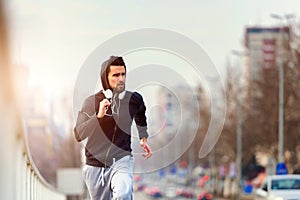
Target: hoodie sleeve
(87,122)
(140,117)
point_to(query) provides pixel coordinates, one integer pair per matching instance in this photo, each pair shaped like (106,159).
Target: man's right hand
(102,108)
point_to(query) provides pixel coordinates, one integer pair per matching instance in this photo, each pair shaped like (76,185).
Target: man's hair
(115,61)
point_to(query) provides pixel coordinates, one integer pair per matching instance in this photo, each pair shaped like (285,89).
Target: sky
(54,38)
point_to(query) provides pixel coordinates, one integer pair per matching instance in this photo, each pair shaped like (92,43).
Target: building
(180,119)
(264,46)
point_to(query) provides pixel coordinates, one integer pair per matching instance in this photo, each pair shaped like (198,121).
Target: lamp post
(239,128)
(281,87)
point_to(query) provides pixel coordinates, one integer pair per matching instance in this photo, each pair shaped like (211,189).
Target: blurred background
(255,46)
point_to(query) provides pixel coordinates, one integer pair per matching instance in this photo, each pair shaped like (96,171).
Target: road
(142,196)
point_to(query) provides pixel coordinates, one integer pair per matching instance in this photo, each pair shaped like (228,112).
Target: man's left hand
(146,147)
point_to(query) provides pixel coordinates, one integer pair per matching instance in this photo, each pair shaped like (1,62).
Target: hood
(104,73)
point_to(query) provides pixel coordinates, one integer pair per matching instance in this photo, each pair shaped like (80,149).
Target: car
(205,195)
(183,192)
(170,192)
(280,187)
(153,191)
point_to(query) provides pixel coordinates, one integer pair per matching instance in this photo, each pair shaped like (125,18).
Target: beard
(119,88)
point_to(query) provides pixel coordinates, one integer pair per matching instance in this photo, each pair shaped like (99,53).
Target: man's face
(117,78)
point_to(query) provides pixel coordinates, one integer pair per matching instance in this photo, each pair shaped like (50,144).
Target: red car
(204,196)
(184,193)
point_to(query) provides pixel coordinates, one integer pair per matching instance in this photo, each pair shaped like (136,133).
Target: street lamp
(281,86)
(240,127)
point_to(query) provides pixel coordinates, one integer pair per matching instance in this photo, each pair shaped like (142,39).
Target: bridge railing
(19,178)
(30,185)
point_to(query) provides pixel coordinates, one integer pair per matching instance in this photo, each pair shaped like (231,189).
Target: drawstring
(102,177)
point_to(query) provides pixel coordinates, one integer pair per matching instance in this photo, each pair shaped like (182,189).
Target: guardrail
(30,185)
(19,177)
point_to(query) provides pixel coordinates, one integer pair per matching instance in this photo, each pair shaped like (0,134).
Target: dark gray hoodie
(109,138)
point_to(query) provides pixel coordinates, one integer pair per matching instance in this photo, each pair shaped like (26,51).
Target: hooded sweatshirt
(109,138)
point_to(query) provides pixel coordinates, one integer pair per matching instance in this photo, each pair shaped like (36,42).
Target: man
(106,124)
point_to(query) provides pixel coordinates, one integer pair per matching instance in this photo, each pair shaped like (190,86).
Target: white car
(280,187)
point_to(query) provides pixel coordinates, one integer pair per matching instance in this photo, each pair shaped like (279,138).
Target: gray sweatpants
(114,183)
